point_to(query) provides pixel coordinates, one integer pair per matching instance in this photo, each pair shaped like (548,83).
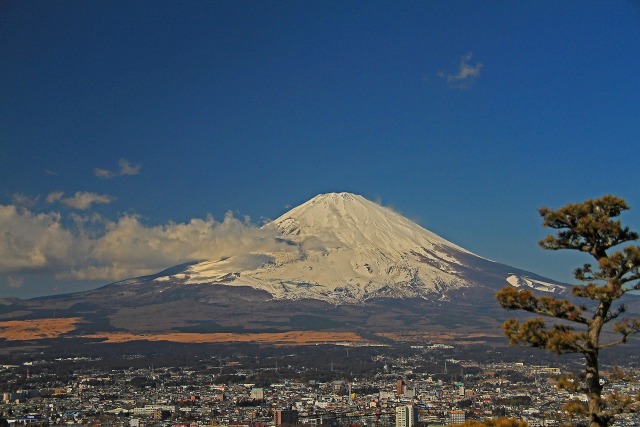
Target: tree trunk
(594,390)
(593,387)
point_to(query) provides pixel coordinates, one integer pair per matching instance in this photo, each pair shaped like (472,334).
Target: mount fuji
(338,262)
(344,249)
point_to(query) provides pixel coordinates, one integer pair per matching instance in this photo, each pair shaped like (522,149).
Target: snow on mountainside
(538,285)
(345,249)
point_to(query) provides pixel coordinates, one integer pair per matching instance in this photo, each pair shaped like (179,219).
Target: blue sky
(125,124)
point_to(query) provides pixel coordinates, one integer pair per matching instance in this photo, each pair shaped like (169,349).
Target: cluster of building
(183,396)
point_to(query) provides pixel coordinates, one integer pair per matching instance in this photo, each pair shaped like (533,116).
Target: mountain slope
(344,249)
(343,263)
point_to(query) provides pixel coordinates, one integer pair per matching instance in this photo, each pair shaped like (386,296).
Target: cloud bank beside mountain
(91,248)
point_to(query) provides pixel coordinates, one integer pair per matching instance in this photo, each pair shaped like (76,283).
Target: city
(420,385)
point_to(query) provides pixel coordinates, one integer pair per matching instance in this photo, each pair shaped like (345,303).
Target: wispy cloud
(24,200)
(54,196)
(125,168)
(82,200)
(466,75)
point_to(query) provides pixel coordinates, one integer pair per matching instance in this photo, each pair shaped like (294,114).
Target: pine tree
(587,227)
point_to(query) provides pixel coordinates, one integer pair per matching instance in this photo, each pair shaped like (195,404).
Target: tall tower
(406,416)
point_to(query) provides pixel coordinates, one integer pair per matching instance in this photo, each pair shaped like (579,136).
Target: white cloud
(466,75)
(128,248)
(128,169)
(32,241)
(125,168)
(103,173)
(54,196)
(120,249)
(82,200)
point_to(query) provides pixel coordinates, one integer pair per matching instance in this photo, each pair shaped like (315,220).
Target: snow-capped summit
(355,222)
(343,248)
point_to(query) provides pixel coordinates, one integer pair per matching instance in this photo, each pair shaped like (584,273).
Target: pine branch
(587,227)
(620,404)
(614,314)
(627,328)
(621,266)
(559,339)
(511,298)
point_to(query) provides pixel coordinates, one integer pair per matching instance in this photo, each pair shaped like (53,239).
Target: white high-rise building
(456,416)
(406,416)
